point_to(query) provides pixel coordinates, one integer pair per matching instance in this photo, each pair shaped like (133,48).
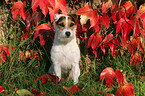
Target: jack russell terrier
(65,52)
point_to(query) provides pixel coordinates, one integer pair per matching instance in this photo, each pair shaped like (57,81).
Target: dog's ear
(57,16)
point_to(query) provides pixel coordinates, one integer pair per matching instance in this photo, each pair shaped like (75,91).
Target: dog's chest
(65,55)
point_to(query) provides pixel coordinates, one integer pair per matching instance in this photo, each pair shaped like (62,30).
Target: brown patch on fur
(71,23)
(61,22)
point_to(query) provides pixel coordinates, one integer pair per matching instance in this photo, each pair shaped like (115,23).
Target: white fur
(65,53)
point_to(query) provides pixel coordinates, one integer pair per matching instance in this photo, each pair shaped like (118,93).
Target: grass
(21,74)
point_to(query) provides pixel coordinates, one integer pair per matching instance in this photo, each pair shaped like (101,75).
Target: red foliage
(37,93)
(5,53)
(122,15)
(126,90)
(94,41)
(29,54)
(36,17)
(19,10)
(48,77)
(60,4)
(1,89)
(44,5)
(109,75)
(105,20)
(90,13)
(119,76)
(43,31)
(136,48)
(73,89)
(52,5)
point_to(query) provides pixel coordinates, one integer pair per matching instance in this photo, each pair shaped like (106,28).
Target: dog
(65,52)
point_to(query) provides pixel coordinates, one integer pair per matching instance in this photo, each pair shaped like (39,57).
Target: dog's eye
(72,24)
(61,24)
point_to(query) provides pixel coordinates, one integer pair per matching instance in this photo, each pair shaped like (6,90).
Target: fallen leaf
(109,76)
(126,90)
(73,89)
(37,93)
(48,77)
(1,89)
(120,77)
(24,92)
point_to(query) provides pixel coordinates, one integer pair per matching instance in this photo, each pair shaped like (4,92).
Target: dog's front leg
(75,73)
(57,70)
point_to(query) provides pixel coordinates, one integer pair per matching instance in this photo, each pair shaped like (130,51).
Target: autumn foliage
(124,18)
(112,27)
(126,89)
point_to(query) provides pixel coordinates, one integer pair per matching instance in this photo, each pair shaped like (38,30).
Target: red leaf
(137,29)
(106,6)
(90,13)
(109,75)
(19,10)
(60,4)
(108,38)
(90,40)
(126,90)
(48,77)
(105,20)
(37,93)
(85,11)
(127,9)
(43,31)
(113,45)
(97,27)
(5,53)
(73,89)
(36,16)
(136,59)
(120,77)
(94,40)
(43,4)
(41,94)
(124,25)
(106,42)
(1,89)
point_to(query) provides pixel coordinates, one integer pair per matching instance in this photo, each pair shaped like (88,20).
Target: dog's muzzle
(67,33)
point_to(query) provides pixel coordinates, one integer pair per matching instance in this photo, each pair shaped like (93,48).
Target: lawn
(26,37)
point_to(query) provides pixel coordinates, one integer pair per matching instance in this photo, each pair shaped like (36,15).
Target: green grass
(21,74)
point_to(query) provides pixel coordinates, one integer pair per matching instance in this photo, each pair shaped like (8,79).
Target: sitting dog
(65,53)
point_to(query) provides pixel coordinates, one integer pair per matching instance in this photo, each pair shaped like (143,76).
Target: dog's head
(64,27)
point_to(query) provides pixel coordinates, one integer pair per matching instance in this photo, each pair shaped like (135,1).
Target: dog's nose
(67,33)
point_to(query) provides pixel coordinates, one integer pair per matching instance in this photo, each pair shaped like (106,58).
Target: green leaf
(24,92)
